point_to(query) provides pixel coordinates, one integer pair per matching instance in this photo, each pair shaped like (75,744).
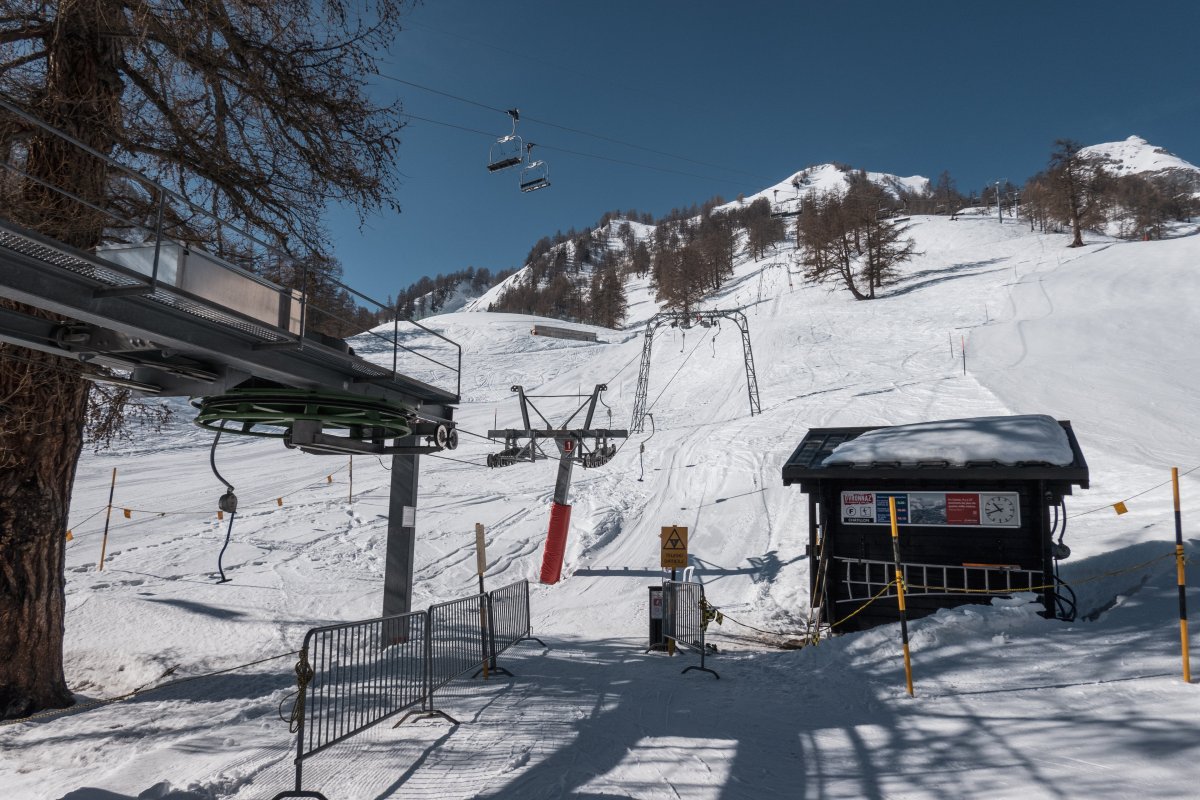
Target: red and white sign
(858,507)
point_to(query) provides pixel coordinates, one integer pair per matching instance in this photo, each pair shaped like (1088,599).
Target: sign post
(673,555)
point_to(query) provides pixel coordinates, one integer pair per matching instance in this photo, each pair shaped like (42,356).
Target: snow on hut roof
(1009,441)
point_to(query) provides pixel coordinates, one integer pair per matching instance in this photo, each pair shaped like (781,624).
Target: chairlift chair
(535,174)
(507,151)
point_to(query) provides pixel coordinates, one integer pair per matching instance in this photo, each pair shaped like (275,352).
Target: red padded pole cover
(556,543)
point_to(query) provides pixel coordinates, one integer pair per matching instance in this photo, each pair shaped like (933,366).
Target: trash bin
(657,642)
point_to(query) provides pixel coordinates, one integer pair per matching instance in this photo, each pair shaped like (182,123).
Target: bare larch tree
(254,109)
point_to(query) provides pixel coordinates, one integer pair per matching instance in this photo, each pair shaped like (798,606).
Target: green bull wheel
(272,412)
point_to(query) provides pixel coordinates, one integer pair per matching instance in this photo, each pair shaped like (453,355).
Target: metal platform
(174,341)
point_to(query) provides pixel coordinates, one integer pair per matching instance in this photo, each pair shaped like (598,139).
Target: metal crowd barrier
(354,675)
(683,619)
(510,620)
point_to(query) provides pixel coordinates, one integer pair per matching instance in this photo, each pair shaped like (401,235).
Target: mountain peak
(1134,156)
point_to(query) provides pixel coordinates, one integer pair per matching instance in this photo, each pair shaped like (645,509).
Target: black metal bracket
(701,669)
(421,714)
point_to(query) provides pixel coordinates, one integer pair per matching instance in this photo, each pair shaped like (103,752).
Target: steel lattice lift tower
(686,319)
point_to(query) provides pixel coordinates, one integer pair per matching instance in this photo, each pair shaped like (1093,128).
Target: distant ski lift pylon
(507,151)
(535,174)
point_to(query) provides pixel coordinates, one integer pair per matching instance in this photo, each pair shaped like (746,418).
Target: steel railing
(684,620)
(864,579)
(172,222)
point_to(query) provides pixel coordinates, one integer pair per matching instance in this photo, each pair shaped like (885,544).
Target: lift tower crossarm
(571,448)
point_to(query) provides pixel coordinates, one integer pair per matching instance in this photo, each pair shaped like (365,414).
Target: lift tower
(150,309)
(686,319)
(523,444)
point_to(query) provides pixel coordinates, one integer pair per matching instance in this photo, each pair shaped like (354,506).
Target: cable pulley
(273,412)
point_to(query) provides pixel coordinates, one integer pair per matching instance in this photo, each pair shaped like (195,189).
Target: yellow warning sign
(674,547)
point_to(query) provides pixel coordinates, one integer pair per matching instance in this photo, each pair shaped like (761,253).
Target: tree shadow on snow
(930,277)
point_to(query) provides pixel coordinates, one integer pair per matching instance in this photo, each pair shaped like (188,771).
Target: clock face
(999,509)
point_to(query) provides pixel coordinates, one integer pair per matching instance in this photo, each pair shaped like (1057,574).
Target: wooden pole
(350,496)
(900,593)
(1181,579)
(107,516)
(480,567)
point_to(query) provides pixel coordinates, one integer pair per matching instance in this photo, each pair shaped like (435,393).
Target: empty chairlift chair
(535,174)
(507,151)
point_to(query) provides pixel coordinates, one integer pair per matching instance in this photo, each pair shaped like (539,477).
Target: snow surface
(1135,155)
(1008,440)
(1007,704)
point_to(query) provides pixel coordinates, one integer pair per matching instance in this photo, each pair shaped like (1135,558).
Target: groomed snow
(1007,705)
(1009,440)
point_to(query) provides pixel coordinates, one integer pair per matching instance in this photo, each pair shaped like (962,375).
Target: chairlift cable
(579,153)
(569,129)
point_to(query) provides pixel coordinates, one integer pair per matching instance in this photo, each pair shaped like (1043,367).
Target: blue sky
(747,92)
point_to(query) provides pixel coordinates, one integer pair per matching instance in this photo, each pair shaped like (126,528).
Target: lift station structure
(173,320)
(685,320)
(979,504)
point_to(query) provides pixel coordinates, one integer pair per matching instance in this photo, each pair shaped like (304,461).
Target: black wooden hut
(979,502)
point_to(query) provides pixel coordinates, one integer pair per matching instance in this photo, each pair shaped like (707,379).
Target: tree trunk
(43,401)
(40,441)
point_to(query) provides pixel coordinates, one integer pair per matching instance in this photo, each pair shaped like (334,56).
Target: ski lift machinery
(535,174)
(507,151)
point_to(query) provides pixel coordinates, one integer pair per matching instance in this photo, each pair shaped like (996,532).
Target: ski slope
(1007,705)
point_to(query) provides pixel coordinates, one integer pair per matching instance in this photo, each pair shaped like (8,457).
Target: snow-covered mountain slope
(1008,705)
(827,178)
(1136,156)
(607,237)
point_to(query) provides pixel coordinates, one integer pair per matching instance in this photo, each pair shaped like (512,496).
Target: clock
(999,509)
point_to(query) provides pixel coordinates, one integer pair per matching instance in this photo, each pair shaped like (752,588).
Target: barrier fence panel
(683,618)
(354,675)
(510,620)
(458,639)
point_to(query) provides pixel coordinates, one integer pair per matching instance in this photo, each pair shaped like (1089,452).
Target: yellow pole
(900,593)
(107,515)
(1180,579)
